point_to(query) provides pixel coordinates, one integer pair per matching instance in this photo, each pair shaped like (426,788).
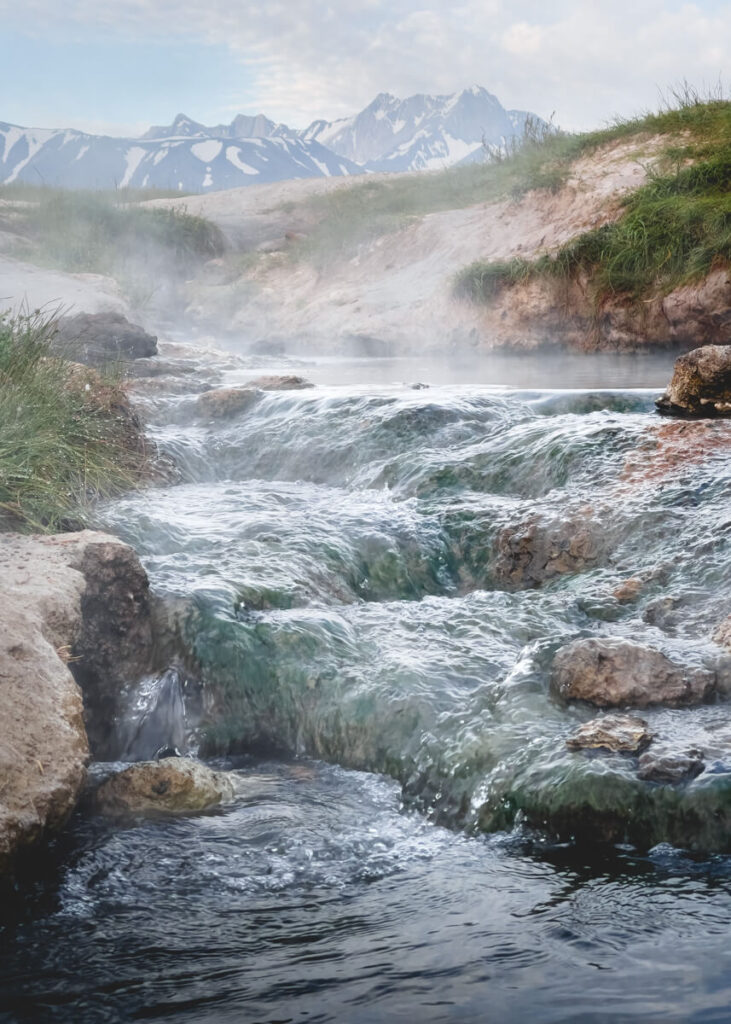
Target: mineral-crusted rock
(224,402)
(173,785)
(534,551)
(625,733)
(611,672)
(701,384)
(670,766)
(98,339)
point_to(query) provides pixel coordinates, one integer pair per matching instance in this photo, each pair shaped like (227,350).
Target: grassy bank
(104,232)
(67,435)
(337,222)
(672,231)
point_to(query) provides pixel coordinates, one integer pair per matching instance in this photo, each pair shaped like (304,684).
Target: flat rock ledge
(172,786)
(52,607)
(701,384)
(611,672)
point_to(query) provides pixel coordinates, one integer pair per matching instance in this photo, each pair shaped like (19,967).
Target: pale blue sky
(123,65)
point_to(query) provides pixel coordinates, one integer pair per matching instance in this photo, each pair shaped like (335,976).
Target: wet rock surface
(115,644)
(77,595)
(615,672)
(624,733)
(701,383)
(288,382)
(224,402)
(537,550)
(662,765)
(99,339)
(173,785)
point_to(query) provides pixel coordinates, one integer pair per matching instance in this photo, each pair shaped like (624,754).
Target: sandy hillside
(399,289)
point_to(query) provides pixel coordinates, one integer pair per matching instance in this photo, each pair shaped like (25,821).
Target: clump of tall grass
(67,436)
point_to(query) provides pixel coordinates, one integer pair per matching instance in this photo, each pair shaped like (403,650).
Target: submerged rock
(172,785)
(285,383)
(96,339)
(611,672)
(624,733)
(534,551)
(628,590)
(77,595)
(670,766)
(701,384)
(722,633)
(224,402)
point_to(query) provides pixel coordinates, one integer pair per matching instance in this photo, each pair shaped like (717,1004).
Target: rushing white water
(333,564)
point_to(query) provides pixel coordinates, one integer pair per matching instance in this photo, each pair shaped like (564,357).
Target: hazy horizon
(120,68)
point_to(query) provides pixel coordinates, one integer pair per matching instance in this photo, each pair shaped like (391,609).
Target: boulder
(286,383)
(530,553)
(98,339)
(173,785)
(701,384)
(613,672)
(221,403)
(77,595)
(622,733)
(670,766)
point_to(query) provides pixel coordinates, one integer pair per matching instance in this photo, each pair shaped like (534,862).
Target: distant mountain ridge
(419,133)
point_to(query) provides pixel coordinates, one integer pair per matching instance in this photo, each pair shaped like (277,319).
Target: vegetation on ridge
(332,225)
(83,231)
(673,230)
(67,435)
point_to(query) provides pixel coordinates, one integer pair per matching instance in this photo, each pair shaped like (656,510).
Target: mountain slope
(190,162)
(421,132)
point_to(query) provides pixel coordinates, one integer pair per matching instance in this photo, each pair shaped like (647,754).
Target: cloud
(307,58)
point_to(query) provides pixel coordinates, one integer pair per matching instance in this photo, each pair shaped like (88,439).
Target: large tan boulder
(174,785)
(701,384)
(52,611)
(612,672)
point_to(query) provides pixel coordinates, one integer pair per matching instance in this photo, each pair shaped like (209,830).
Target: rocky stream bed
(456,661)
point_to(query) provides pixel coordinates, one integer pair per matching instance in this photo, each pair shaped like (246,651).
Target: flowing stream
(358,641)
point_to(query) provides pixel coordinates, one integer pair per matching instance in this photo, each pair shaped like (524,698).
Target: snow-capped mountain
(189,162)
(420,132)
(390,134)
(242,127)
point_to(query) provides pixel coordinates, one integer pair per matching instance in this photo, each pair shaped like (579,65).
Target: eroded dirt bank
(397,290)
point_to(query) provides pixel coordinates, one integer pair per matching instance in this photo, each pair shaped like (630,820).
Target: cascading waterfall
(371,584)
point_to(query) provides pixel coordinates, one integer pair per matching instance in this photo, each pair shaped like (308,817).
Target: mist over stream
(412,845)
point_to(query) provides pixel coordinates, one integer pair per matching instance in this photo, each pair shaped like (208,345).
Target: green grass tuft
(67,435)
(673,230)
(103,232)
